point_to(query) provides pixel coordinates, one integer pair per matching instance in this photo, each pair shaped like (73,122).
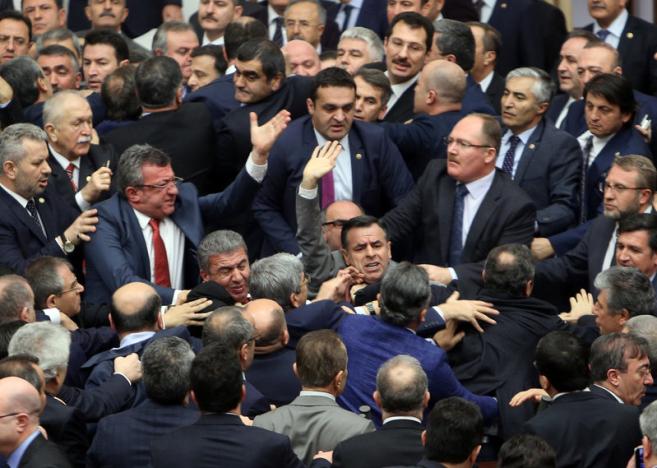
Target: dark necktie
(588,147)
(161,261)
(70,169)
(478,5)
(602,34)
(34,214)
(456,238)
(509,157)
(328,190)
(347,9)
(278,33)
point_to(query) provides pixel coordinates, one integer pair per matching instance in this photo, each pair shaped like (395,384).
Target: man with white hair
(358,46)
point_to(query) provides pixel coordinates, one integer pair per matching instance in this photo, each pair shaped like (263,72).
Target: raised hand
(82,226)
(264,136)
(321,162)
(97,183)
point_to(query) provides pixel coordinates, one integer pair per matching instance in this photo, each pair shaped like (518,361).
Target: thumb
(453,297)
(253,119)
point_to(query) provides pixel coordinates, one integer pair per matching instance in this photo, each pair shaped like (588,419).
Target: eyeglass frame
(617,188)
(162,186)
(462,144)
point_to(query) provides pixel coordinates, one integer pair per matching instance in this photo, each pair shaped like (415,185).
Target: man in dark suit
(166,365)
(176,39)
(634,38)
(220,437)
(499,212)
(211,20)
(407,44)
(577,418)
(488,45)
(103,52)
(401,393)
(29,229)
(543,160)
(307,20)
(370,171)
(636,244)
(367,14)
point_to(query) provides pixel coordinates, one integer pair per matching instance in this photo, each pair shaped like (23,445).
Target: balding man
(272,364)
(16,299)
(301,58)
(22,443)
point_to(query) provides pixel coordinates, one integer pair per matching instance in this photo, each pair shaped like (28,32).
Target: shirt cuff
(257,171)
(308,194)
(176,293)
(439,312)
(53,315)
(452,273)
(123,375)
(81,202)
(361,310)
(3,105)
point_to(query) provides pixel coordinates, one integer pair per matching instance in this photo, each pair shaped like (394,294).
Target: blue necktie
(347,9)
(278,33)
(509,157)
(602,34)
(456,238)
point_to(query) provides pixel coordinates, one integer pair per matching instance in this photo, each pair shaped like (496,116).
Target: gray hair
(128,172)
(373,41)
(405,292)
(15,294)
(160,38)
(11,141)
(217,243)
(648,422)
(47,342)
(54,109)
(276,278)
(59,35)
(612,351)
(629,289)
(22,73)
(56,50)
(403,394)
(167,363)
(227,325)
(321,11)
(543,87)
(44,278)
(645,326)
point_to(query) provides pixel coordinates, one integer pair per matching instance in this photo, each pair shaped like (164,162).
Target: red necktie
(69,171)
(328,190)
(161,261)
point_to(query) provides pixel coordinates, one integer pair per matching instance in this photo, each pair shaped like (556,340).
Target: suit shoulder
(634,22)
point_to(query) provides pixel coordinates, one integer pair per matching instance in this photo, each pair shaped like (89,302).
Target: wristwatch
(369,306)
(69,247)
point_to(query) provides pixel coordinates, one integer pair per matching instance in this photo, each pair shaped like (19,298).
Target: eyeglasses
(75,287)
(617,188)
(336,223)
(462,144)
(162,185)
(9,414)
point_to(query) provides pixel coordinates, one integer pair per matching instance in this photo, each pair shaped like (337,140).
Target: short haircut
(508,269)
(362,221)
(56,50)
(160,37)
(157,79)
(378,79)
(58,3)
(110,38)
(369,37)
(227,325)
(328,55)
(454,429)
(401,392)
(273,330)
(612,351)
(217,243)
(22,366)
(59,35)
(17,16)
(11,141)
(583,34)
(167,363)
(47,342)
(129,170)
(119,93)
(627,289)
(456,38)
(321,11)
(15,294)
(141,319)
(332,77)
(563,359)
(239,32)
(641,222)
(643,166)
(44,278)
(276,278)
(214,51)
(267,53)
(22,74)
(321,354)
(55,109)
(491,40)
(216,378)
(414,21)
(543,88)
(490,129)
(7,331)
(405,292)
(615,89)
(526,451)
(645,326)
(648,422)
(598,44)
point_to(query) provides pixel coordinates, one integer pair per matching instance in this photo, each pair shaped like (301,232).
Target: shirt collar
(356,3)
(316,394)
(62,160)
(610,392)
(401,418)
(206,40)
(321,141)
(15,196)
(133,338)
(598,143)
(15,457)
(524,136)
(400,88)
(616,27)
(142,219)
(272,15)
(485,83)
(478,188)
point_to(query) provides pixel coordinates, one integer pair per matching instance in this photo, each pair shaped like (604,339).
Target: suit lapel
(357,160)
(625,42)
(529,150)
(134,231)
(60,179)
(22,214)
(485,211)
(446,203)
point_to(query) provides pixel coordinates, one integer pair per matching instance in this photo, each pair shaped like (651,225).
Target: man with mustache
(213,17)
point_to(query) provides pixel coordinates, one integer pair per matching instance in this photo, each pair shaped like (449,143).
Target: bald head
(440,88)
(135,307)
(270,326)
(301,58)
(17,396)
(336,214)
(402,386)
(16,299)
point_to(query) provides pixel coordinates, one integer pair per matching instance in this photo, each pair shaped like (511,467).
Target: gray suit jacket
(313,423)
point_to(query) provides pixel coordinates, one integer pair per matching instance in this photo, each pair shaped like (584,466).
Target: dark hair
(611,351)
(526,451)
(267,53)
(16,16)
(214,51)
(7,331)
(563,359)
(57,50)
(227,325)
(454,429)
(321,354)
(509,268)
(617,90)
(376,78)
(332,77)
(22,366)
(59,3)
(140,319)
(405,292)
(110,38)
(239,32)
(157,79)
(414,21)
(584,34)
(44,278)
(491,40)
(328,55)
(22,74)
(641,222)
(167,363)
(216,379)
(362,221)
(456,38)
(119,93)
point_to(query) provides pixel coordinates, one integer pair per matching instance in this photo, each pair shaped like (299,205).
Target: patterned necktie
(34,214)
(509,157)
(347,9)
(456,238)
(160,261)
(588,147)
(70,169)
(278,33)
(602,34)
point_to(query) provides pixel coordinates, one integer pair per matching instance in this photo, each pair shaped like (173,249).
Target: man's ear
(277,82)
(51,301)
(423,436)
(286,337)
(294,369)
(294,300)
(377,398)
(345,256)
(613,377)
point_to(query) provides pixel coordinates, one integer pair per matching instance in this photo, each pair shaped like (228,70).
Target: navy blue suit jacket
(372,15)
(218,96)
(363,336)
(402,110)
(556,106)
(117,253)
(124,439)
(66,428)
(272,374)
(475,100)
(379,178)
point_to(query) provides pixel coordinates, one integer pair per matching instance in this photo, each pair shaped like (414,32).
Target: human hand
(97,183)
(187,314)
(130,366)
(541,248)
(325,455)
(334,289)
(264,136)
(533,394)
(580,305)
(447,338)
(321,162)
(81,227)
(468,311)
(438,274)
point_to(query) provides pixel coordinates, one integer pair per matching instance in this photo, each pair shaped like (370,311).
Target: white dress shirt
(504,147)
(615,29)
(564,111)
(598,144)
(485,83)
(487,10)
(342,178)
(207,41)
(398,90)
(272,15)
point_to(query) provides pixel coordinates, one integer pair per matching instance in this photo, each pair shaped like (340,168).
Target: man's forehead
(99,51)
(637,238)
(54,60)
(368,234)
(406,32)
(596,56)
(254,66)
(13,25)
(230,257)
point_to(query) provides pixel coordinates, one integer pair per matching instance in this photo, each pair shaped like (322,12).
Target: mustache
(84,139)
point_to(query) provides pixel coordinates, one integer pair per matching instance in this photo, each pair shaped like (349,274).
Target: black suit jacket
(372,15)
(272,374)
(42,453)
(495,90)
(396,443)
(66,428)
(556,106)
(402,110)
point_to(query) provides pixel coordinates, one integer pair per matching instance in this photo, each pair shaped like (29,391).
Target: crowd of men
(296,233)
